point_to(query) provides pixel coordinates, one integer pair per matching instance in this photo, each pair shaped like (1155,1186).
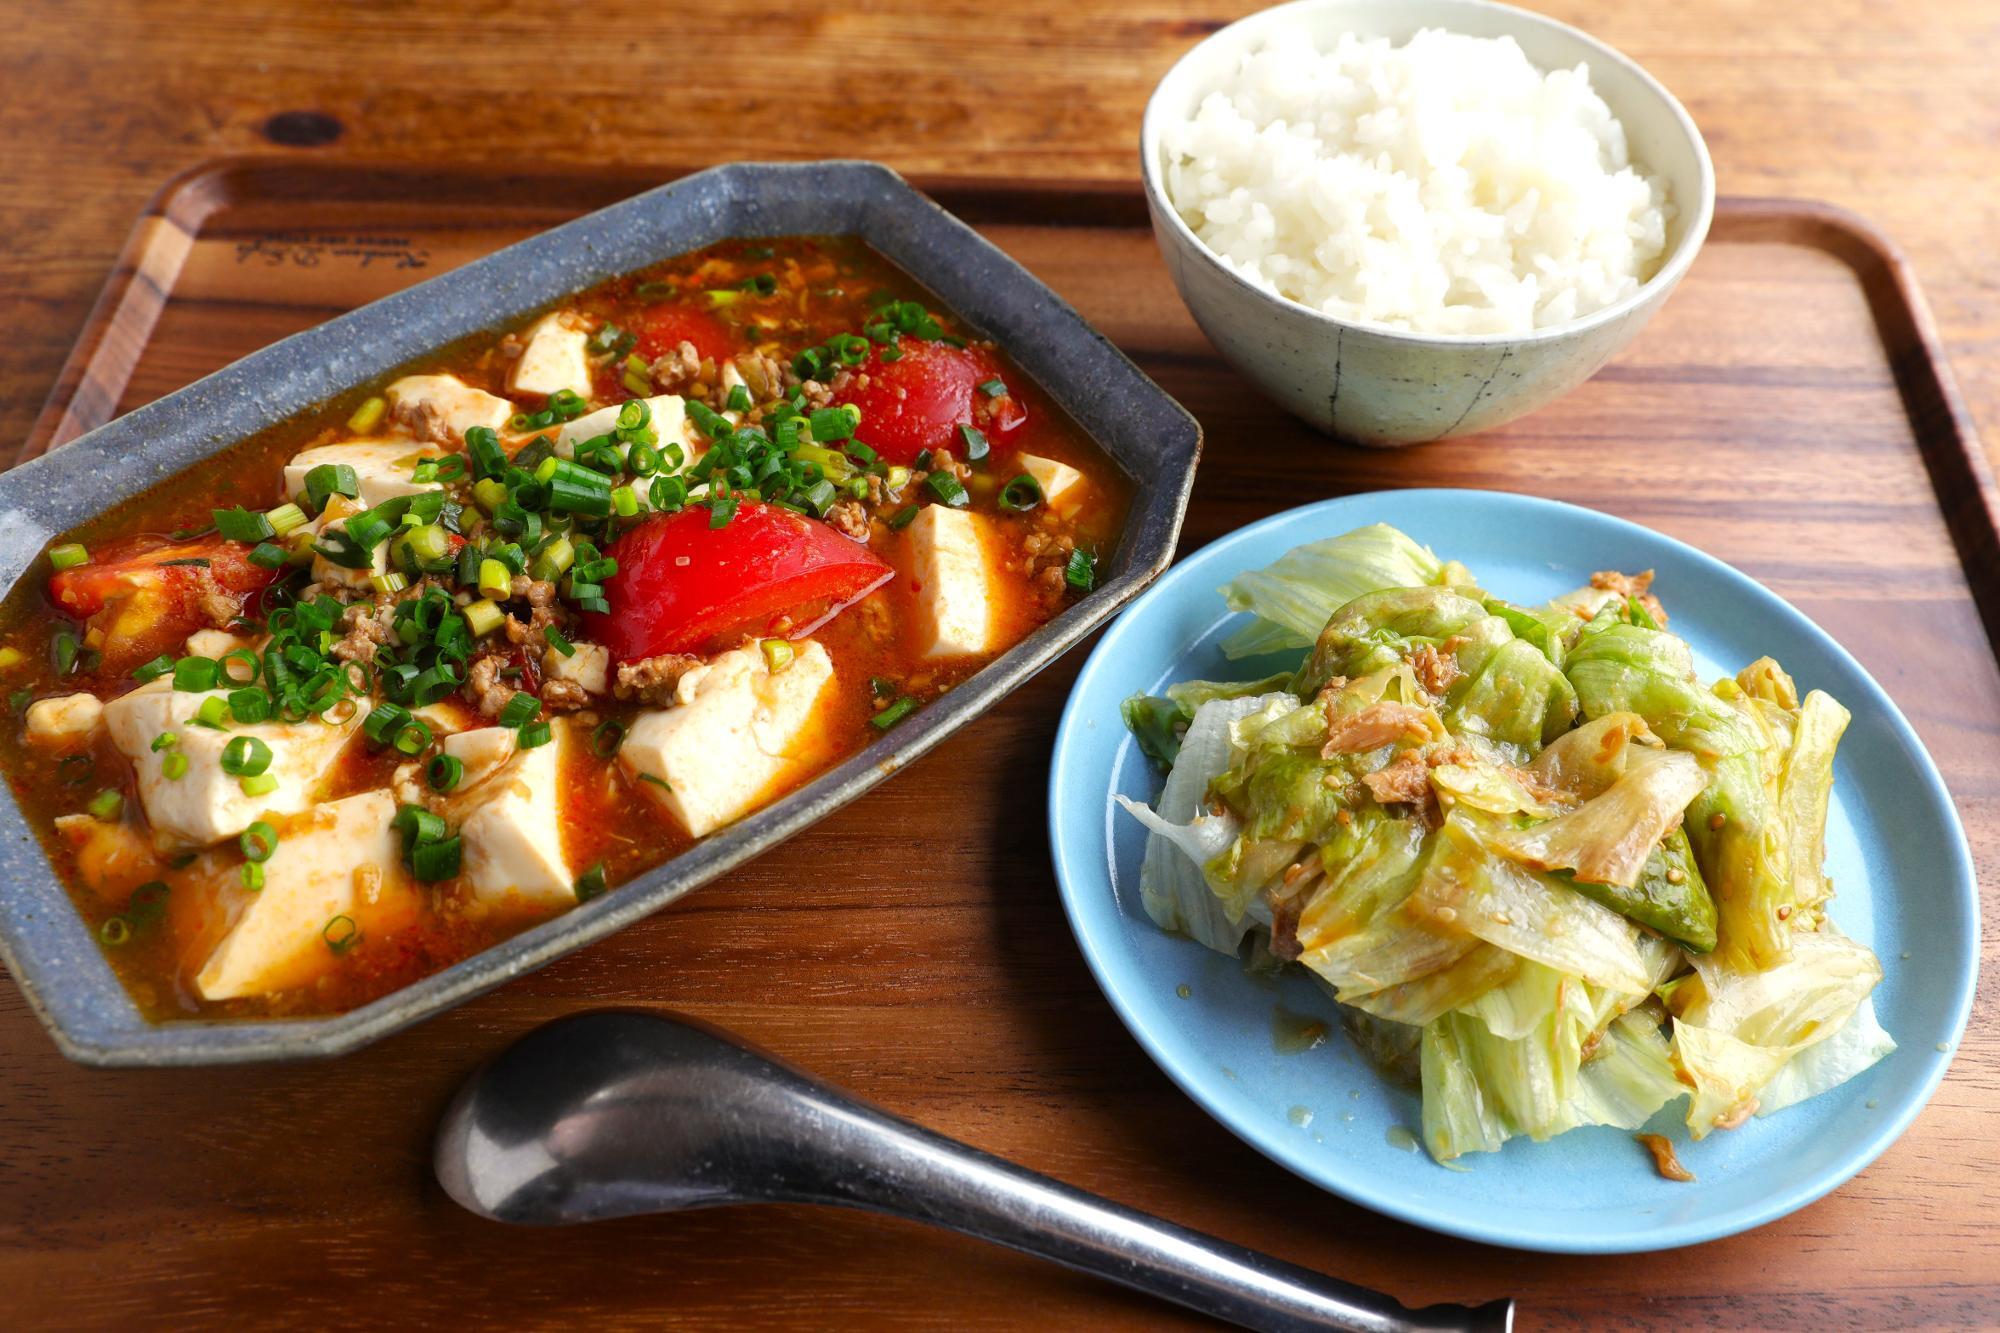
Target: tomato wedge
(919,401)
(664,328)
(147,594)
(683,586)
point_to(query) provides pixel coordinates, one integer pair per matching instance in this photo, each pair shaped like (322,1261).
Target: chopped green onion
(107,804)
(268,556)
(213,713)
(637,383)
(894,713)
(534,734)
(554,560)
(434,861)
(341,934)
(590,884)
(68,556)
(606,739)
(251,874)
(247,665)
(115,931)
(976,447)
(153,670)
(192,675)
(947,489)
(523,707)
(330,479)
(368,416)
(166,740)
(483,616)
(1081,571)
(418,826)
(174,766)
(993,388)
(245,757)
(147,903)
(413,739)
(286,518)
(739,398)
(444,772)
(1021,494)
(388,583)
(249,706)
(382,724)
(834,423)
(902,518)
(494,579)
(20,699)
(557,641)
(243,525)
(489,494)
(66,649)
(258,841)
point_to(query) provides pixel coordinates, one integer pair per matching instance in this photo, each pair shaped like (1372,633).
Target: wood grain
(955,995)
(279,1197)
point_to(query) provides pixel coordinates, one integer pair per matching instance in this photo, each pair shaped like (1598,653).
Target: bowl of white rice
(1413,219)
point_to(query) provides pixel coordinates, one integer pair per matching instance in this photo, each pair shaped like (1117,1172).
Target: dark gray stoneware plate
(46,945)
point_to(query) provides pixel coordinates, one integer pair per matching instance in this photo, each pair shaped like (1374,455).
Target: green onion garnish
(976,447)
(245,757)
(778,655)
(258,841)
(192,675)
(557,641)
(1020,495)
(107,804)
(368,416)
(213,714)
(413,739)
(590,884)
(249,706)
(606,739)
(153,670)
(251,874)
(1081,571)
(330,479)
(166,740)
(267,556)
(444,772)
(947,490)
(483,616)
(902,518)
(341,934)
(993,388)
(434,861)
(174,766)
(522,708)
(894,713)
(739,398)
(115,931)
(68,556)
(533,735)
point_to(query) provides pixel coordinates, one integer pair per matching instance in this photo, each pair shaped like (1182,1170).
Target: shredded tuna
(1435,671)
(1376,725)
(1406,780)
(1664,1161)
(1632,585)
(652,680)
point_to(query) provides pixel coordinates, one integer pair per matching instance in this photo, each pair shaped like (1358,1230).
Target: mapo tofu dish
(386,684)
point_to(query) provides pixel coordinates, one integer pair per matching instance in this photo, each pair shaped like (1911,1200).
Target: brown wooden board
(1788,412)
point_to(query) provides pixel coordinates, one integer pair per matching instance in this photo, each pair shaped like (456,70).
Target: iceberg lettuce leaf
(1293,596)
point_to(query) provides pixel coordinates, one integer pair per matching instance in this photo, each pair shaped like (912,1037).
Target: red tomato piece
(919,401)
(148,604)
(664,328)
(682,585)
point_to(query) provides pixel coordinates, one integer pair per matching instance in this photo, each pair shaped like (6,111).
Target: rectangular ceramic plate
(46,945)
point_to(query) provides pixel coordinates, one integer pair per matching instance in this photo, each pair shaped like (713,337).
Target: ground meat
(677,368)
(1407,779)
(877,622)
(1632,585)
(485,688)
(819,395)
(850,519)
(1435,671)
(561,696)
(762,373)
(423,420)
(652,680)
(366,633)
(1376,725)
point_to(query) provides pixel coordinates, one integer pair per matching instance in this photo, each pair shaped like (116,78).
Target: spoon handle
(892,1166)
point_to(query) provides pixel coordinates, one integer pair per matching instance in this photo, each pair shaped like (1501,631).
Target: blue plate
(1894,848)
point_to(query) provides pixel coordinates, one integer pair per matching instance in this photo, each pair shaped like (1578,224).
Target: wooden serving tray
(1789,412)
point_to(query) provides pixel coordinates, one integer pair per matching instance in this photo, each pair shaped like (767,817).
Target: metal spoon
(615,1113)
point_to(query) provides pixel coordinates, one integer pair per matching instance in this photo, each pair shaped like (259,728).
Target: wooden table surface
(189,1210)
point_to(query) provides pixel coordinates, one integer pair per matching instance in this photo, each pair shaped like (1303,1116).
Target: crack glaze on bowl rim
(44,941)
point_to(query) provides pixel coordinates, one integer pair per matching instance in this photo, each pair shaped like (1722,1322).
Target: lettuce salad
(1546,873)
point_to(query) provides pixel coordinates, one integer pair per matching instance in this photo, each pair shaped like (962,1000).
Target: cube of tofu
(65,722)
(205,805)
(557,357)
(445,406)
(669,423)
(340,859)
(216,642)
(736,731)
(589,666)
(951,571)
(510,819)
(382,467)
(1062,485)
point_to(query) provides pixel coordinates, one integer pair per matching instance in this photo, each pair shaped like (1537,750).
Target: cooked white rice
(1445,185)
